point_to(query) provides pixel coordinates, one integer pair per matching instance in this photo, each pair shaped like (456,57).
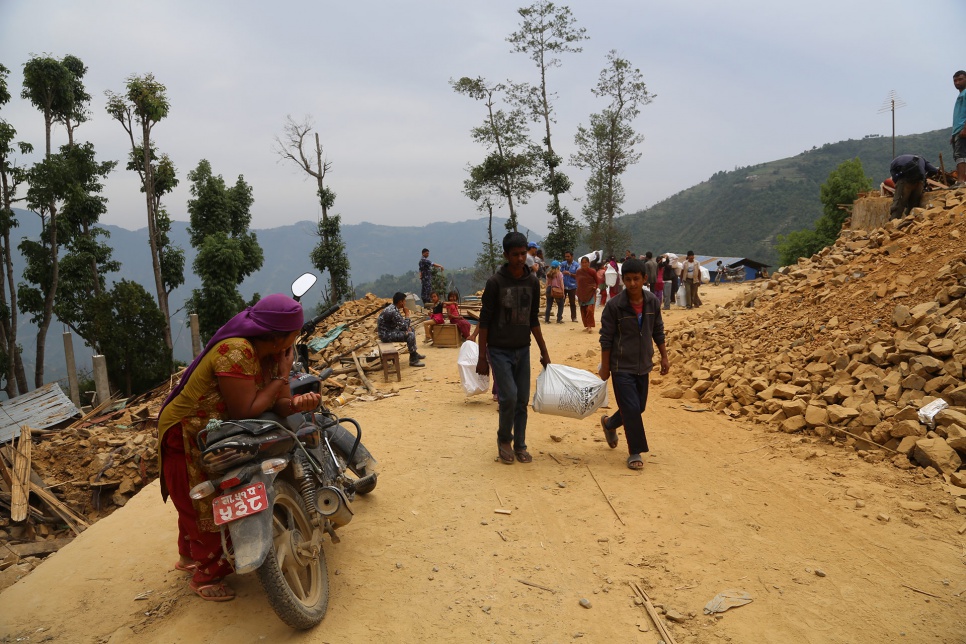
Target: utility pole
(891,104)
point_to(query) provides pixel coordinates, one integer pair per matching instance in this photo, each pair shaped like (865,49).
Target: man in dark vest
(909,172)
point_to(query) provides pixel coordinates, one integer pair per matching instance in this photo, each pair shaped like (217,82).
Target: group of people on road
(631,327)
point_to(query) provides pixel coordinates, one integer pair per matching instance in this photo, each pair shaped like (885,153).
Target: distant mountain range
(736,214)
(741,213)
(374,250)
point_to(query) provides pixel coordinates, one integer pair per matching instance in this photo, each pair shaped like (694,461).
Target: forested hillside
(740,213)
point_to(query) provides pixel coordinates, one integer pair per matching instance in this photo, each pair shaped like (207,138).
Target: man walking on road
(650,269)
(569,269)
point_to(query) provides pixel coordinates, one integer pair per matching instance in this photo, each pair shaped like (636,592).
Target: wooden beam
(362,374)
(39,547)
(20,485)
(74,521)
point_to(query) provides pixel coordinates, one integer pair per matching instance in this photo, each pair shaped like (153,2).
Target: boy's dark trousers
(631,392)
(511,373)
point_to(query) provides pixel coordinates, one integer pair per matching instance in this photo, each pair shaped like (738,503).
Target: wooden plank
(73,520)
(39,547)
(362,374)
(20,485)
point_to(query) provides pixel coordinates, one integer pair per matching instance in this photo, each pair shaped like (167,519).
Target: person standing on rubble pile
(243,372)
(426,267)
(958,139)
(909,174)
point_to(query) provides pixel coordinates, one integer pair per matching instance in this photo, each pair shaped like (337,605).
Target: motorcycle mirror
(302,285)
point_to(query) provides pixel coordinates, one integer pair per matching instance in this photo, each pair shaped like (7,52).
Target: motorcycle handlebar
(314,322)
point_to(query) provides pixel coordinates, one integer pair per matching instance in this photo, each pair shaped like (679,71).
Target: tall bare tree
(55,87)
(330,253)
(138,110)
(546,31)
(607,147)
(512,162)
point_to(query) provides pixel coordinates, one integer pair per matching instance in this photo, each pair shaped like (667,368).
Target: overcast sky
(737,83)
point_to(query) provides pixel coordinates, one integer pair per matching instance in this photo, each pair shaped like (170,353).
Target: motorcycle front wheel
(293,575)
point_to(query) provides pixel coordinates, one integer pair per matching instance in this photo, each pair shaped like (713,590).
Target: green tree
(798,243)
(484,195)
(545,32)
(329,254)
(512,164)
(607,148)
(55,87)
(11,177)
(85,257)
(143,104)
(127,320)
(227,251)
(841,188)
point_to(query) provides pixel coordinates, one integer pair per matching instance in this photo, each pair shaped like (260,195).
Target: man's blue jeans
(511,372)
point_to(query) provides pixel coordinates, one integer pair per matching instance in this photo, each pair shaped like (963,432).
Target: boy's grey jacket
(631,347)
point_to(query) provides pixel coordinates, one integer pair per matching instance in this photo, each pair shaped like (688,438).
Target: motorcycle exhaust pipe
(333,505)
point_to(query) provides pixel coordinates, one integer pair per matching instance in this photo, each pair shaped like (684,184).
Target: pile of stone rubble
(849,344)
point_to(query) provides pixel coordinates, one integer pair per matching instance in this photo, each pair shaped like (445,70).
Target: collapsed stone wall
(848,344)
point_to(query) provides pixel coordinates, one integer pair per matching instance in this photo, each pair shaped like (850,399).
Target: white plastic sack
(568,391)
(680,298)
(473,383)
(610,276)
(705,275)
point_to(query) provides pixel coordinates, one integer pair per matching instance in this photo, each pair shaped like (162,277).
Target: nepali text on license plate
(249,500)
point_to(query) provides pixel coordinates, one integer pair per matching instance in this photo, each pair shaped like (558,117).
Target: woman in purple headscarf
(242,373)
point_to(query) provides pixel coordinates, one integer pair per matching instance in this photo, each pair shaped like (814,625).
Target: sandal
(506,453)
(635,462)
(523,456)
(226,593)
(183,567)
(609,434)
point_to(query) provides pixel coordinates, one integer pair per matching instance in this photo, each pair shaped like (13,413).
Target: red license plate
(245,502)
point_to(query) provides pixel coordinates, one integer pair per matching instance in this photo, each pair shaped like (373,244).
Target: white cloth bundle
(568,391)
(680,298)
(473,383)
(705,275)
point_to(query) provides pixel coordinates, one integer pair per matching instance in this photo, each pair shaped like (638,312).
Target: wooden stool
(390,361)
(446,335)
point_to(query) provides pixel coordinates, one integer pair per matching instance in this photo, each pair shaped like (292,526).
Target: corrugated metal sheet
(40,408)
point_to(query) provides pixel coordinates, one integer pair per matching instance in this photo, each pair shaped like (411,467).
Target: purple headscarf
(273,313)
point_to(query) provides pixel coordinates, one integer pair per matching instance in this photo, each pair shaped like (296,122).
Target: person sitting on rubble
(909,172)
(436,317)
(243,372)
(394,325)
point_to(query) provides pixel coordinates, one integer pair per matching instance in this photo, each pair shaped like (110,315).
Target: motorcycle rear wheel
(294,578)
(740,277)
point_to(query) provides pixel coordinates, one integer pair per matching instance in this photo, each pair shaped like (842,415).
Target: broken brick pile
(848,344)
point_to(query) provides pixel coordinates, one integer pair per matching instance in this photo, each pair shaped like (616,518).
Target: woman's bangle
(280,378)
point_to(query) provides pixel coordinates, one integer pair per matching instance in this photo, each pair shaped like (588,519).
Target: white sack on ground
(568,391)
(473,383)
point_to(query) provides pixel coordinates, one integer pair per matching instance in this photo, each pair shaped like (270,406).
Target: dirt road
(719,505)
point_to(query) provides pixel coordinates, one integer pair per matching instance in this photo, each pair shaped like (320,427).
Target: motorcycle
(282,484)
(733,274)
